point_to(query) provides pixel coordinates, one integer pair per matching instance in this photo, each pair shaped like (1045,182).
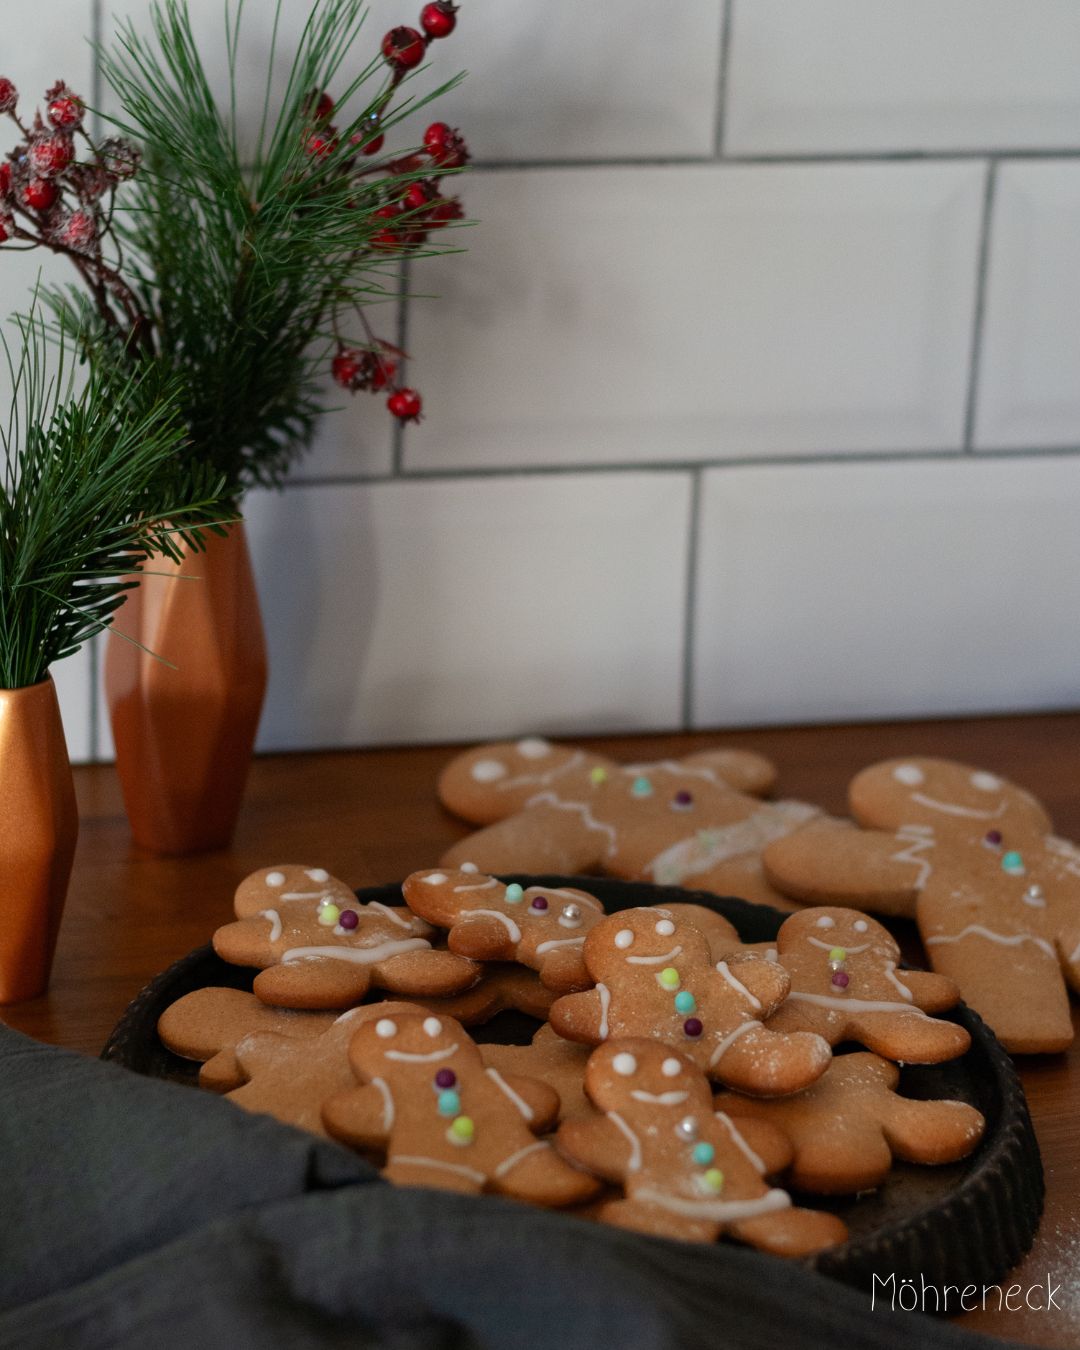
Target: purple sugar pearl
(539,902)
(445,1078)
(840,979)
(683,798)
(693,1026)
(348,918)
(993,838)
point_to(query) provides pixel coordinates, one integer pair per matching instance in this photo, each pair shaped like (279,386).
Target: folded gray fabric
(136,1213)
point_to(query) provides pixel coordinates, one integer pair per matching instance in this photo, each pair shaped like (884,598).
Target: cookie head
(644,1078)
(948,797)
(407,1047)
(642,941)
(841,933)
(491,782)
(270,886)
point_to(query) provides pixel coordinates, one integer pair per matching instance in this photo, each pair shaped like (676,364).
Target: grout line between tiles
(96,83)
(683,466)
(788,159)
(726,26)
(689,612)
(978,319)
(397,450)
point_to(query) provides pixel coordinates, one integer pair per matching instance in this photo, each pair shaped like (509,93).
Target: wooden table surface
(371,817)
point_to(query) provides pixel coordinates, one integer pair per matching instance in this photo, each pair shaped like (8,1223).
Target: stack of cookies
(677,1077)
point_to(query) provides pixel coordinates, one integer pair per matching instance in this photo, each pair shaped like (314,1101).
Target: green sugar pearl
(669,977)
(462,1130)
(598,775)
(714,1179)
(329,915)
(837,954)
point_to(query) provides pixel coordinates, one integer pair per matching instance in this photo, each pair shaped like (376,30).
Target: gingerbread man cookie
(995,894)
(655,977)
(673,822)
(543,927)
(688,1171)
(446,1120)
(846,987)
(317,947)
(847,1127)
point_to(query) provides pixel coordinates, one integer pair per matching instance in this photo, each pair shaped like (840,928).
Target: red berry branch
(50,198)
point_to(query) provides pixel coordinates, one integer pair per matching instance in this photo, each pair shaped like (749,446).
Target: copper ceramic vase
(185,732)
(38,828)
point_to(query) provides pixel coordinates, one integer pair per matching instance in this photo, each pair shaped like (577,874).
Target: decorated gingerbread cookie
(207,1024)
(317,947)
(675,822)
(654,976)
(996,896)
(689,1172)
(845,986)
(446,1120)
(846,1128)
(543,927)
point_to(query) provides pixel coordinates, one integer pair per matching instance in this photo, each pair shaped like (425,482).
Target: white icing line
(1011,940)
(483,886)
(543,779)
(407,1057)
(856,1004)
(520,1102)
(720,1211)
(828,946)
(275,922)
(654,960)
(729,1039)
(388,1103)
(434,879)
(583,811)
(951,809)
(916,839)
(511,927)
(634,1165)
(515,1158)
(737,985)
(737,1139)
(659,1099)
(1075,956)
(580,896)
(890,974)
(305,895)
(361,956)
(391,915)
(605,1003)
(559,942)
(409,1161)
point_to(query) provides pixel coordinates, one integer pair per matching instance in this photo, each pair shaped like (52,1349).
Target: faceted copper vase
(38,828)
(184,736)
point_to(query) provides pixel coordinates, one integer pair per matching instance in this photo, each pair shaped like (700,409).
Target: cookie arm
(831,862)
(762,1137)
(361,1117)
(597,1144)
(540,1100)
(932,993)
(543,838)
(581,1017)
(931,1131)
(482,939)
(767,982)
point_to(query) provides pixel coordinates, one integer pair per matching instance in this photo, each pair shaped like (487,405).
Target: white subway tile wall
(719,430)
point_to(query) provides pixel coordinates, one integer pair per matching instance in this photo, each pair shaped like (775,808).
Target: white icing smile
(659,1098)
(406,1058)
(654,960)
(828,946)
(952,809)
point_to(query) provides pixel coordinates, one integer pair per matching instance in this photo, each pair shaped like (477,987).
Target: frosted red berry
(50,155)
(445,145)
(7,226)
(324,107)
(443,211)
(439,19)
(345,367)
(416,197)
(78,231)
(39,194)
(321,143)
(405,404)
(403,48)
(9,95)
(65,109)
(5,179)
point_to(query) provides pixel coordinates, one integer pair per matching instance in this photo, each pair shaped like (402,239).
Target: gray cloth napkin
(136,1213)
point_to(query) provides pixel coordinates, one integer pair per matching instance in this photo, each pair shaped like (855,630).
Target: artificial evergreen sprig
(90,492)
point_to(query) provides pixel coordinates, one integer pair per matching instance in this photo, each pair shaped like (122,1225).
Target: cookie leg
(764,1063)
(909,1039)
(644,1218)
(428,972)
(313,984)
(441,1176)
(932,1132)
(563,971)
(790,1232)
(537,1174)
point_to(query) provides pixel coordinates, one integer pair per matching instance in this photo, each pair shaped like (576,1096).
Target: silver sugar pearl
(687,1128)
(571,912)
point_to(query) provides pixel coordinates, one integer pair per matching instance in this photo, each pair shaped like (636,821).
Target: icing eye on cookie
(909,774)
(825,922)
(432,1026)
(488,771)
(275,879)
(860,925)
(671,1068)
(665,928)
(623,938)
(385,1027)
(985,782)
(624,1064)
(319,874)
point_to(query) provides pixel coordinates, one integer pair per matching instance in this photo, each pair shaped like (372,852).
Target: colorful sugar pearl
(449,1103)
(703,1154)
(1013,863)
(445,1078)
(349,919)
(598,775)
(714,1179)
(840,979)
(993,838)
(669,977)
(539,903)
(693,1026)
(687,1128)
(513,893)
(641,788)
(837,954)
(329,915)
(682,801)
(685,1002)
(462,1130)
